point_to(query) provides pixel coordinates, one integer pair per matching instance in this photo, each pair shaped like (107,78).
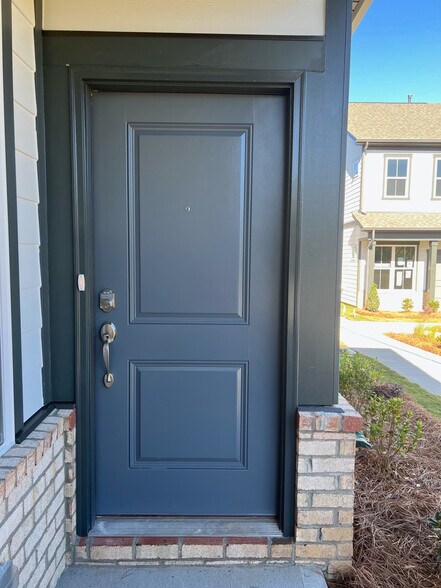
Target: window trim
(408,157)
(393,267)
(436,158)
(7,424)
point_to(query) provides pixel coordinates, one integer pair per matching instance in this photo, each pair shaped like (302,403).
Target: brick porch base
(324,521)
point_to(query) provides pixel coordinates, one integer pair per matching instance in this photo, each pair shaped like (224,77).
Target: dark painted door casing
(188,206)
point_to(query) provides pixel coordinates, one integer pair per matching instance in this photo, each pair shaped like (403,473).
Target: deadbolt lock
(107,300)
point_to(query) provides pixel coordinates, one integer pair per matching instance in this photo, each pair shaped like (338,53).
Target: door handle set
(108,334)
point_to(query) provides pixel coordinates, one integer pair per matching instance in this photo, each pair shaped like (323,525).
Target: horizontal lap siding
(350,264)
(25,112)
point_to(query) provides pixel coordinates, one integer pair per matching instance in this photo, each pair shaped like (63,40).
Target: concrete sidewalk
(417,365)
(243,576)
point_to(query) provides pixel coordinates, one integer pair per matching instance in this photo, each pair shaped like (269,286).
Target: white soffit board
(216,17)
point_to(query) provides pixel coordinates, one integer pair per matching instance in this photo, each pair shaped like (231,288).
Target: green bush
(390,429)
(358,376)
(435,524)
(407,304)
(433,305)
(422,330)
(373,300)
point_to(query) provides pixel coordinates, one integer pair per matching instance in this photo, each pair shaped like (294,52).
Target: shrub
(387,389)
(435,524)
(390,429)
(419,330)
(422,330)
(433,305)
(407,304)
(373,300)
(358,375)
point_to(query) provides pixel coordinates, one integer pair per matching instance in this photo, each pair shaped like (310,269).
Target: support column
(431,269)
(370,268)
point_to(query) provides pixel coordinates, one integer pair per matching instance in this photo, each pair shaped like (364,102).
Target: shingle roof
(395,122)
(398,220)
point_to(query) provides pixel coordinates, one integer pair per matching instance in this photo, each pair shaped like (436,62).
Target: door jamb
(84,81)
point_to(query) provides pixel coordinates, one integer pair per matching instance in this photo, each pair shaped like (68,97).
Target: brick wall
(325,485)
(324,522)
(37,482)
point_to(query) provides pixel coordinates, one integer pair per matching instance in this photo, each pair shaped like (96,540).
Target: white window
(396,183)
(437,178)
(394,267)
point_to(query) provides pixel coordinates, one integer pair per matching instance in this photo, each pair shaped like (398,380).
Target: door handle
(108,334)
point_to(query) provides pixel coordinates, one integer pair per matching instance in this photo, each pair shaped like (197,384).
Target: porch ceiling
(391,221)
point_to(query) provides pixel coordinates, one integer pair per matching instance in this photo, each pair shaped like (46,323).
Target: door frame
(84,81)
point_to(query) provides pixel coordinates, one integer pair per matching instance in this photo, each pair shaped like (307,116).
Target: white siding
(420,186)
(351,239)
(25,112)
(352,178)
(242,17)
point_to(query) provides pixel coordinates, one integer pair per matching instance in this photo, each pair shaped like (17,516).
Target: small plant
(373,300)
(407,304)
(390,429)
(433,305)
(435,524)
(358,375)
(419,330)
(387,390)
(430,332)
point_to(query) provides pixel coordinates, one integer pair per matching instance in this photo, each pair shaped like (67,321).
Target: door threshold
(185,527)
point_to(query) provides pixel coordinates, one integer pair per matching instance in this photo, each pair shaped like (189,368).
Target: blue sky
(396,51)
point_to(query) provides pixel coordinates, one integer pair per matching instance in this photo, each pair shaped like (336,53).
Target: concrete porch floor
(178,576)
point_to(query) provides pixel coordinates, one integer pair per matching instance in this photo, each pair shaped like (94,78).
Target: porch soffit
(390,221)
(217,17)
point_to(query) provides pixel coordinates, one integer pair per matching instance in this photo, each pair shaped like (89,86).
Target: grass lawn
(431,402)
(359,314)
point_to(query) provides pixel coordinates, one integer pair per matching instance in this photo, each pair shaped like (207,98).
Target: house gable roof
(385,122)
(398,220)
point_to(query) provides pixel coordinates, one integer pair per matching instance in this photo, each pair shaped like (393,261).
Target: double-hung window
(396,183)
(437,178)
(394,267)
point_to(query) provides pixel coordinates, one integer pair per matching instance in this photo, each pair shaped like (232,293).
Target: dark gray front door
(188,204)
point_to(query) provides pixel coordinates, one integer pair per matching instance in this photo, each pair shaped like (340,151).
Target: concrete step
(178,576)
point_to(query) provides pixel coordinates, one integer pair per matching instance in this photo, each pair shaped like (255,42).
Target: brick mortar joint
(43,443)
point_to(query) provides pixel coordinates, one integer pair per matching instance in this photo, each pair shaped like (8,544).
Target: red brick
(82,541)
(203,541)
(352,424)
(281,540)
(305,422)
(157,540)
(72,420)
(247,540)
(112,541)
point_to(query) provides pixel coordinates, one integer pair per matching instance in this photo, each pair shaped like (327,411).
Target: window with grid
(397,171)
(437,179)
(394,267)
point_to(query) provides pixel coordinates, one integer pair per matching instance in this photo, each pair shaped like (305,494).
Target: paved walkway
(222,576)
(418,366)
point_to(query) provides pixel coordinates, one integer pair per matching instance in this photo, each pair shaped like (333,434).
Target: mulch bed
(384,315)
(417,341)
(394,546)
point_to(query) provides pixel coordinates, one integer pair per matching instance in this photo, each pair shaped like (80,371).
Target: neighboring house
(169,263)
(392,219)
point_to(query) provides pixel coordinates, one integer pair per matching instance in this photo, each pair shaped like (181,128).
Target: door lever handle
(108,334)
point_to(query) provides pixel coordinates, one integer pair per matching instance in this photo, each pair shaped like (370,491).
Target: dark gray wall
(318,176)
